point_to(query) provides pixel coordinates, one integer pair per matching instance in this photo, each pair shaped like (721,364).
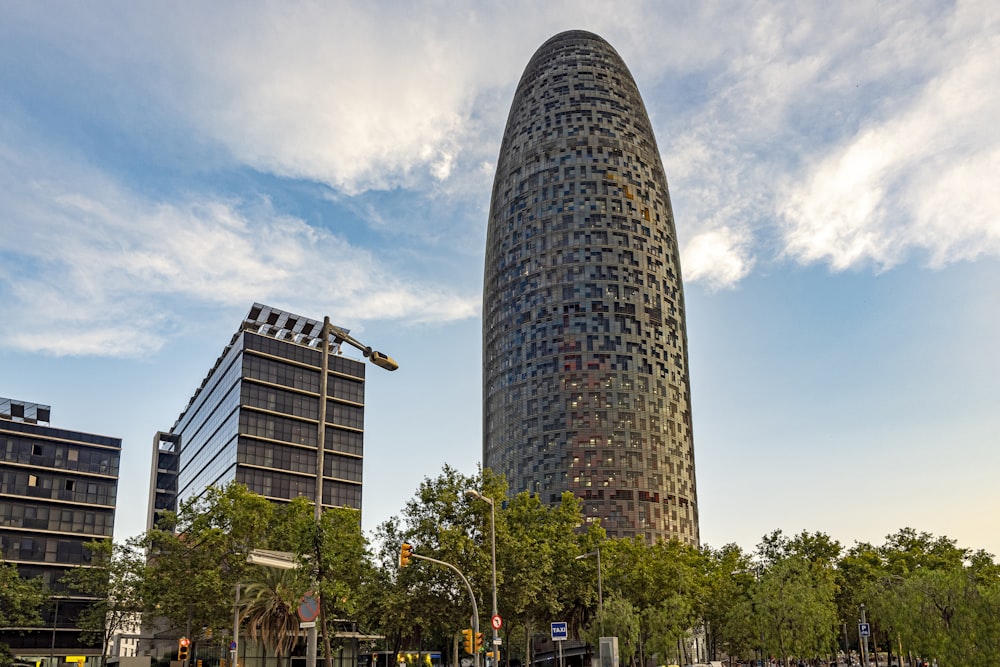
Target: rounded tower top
(585,384)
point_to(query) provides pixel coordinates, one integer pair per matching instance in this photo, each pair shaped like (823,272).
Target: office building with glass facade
(57,492)
(585,364)
(255,419)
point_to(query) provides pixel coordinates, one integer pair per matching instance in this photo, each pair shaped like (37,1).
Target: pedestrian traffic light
(183,647)
(469,648)
(404,554)
(479,641)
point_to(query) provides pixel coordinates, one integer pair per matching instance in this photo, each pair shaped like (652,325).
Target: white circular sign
(496,622)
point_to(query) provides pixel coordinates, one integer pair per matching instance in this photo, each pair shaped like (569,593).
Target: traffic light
(479,641)
(467,633)
(404,554)
(183,647)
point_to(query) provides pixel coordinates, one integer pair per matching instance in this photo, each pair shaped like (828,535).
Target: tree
(724,605)
(665,626)
(538,575)
(200,557)
(113,579)
(663,583)
(426,604)
(937,599)
(333,554)
(619,618)
(794,598)
(20,601)
(268,609)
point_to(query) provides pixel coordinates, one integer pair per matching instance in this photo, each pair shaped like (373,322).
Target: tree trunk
(528,658)
(326,638)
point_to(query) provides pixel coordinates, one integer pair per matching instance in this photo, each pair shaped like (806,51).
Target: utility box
(609,651)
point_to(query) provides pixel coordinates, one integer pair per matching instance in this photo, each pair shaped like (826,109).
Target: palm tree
(268,608)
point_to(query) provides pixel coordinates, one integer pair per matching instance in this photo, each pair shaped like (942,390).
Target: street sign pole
(560,632)
(864,639)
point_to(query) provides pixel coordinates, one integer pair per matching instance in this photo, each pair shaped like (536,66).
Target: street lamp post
(381,360)
(472,493)
(468,587)
(600,588)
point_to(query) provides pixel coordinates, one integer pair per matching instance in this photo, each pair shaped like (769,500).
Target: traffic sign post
(864,631)
(308,608)
(560,633)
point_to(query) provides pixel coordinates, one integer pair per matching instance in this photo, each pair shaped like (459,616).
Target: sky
(832,168)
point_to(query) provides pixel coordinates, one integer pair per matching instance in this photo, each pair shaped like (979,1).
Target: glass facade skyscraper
(585,364)
(57,493)
(255,419)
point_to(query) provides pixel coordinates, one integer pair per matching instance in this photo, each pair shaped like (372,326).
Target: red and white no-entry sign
(496,622)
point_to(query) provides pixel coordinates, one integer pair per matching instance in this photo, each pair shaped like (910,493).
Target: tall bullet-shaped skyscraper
(585,364)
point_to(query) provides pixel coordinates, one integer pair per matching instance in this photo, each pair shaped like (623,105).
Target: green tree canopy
(197,560)
(20,599)
(20,602)
(113,578)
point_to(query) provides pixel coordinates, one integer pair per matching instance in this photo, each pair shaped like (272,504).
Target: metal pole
(864,641)
(600,587)
(321,435)
(55,621)
(472,598)
(760,626)
(493,550)
(235,650)
(312,634)
(847,647)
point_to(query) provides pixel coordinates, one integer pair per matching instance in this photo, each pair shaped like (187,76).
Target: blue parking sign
(864,630)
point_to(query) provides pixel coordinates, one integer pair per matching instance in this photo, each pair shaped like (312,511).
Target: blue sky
(832,166)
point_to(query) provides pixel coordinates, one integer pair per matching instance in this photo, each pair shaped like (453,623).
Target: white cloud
(359,97)
(718,258)
(96,265)
(812,111)
(917,179)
